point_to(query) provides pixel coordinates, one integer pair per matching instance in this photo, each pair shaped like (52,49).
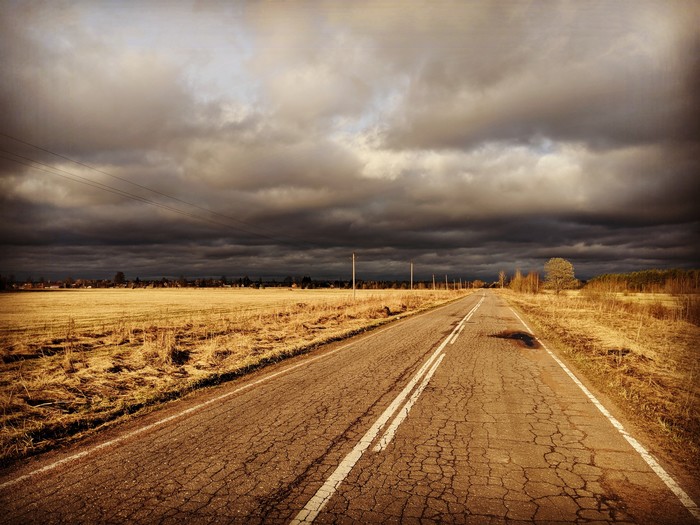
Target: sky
(269,139)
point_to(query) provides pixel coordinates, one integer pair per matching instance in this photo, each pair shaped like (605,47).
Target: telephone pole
(353,276)
(411,275)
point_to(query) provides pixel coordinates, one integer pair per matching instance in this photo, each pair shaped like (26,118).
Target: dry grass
(73,360)
(640,349)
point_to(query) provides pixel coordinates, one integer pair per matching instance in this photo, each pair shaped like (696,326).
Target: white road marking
(389,433)
(319,500)
(671,483)
(457,335)
(458,330)
(403,413)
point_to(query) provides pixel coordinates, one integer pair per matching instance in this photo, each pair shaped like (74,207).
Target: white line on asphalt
(323,495)
(403,413)
(671,483)
(462,323)
(389,433)
(456,336)
(124,437)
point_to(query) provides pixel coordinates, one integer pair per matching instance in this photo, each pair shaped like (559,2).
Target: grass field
(639,349)
(76,359)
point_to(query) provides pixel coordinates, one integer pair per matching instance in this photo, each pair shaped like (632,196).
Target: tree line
(676,281)
(302,282)
(559,275)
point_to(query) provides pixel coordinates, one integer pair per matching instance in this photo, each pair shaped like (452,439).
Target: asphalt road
(431,419)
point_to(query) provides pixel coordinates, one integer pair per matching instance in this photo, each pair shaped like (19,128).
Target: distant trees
(674,281)
(532,282)
(119,278)
(525,284)
(559,274)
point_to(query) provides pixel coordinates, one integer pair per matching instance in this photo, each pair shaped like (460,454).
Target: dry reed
(640,349)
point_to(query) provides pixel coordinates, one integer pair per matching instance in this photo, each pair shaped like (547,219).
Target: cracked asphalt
(499,434)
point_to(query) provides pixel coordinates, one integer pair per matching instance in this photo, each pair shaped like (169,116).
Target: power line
(94,184)
(105,187)
(123,179)
(34,164)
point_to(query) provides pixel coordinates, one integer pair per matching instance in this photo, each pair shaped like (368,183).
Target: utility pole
(411,275)
(433,282)
(447,286)
(353,276)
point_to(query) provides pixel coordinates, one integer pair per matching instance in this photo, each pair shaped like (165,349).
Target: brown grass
(73,360)
(639,349)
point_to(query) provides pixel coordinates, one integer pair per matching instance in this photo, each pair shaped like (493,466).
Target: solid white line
(456,336)
(671,483)
(403,413)
(319,500)
(462,323)
(185,412)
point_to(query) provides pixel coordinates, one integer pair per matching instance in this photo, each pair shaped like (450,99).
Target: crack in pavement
(502,436)
(499,434)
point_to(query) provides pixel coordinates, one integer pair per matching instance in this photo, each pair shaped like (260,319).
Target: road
(431,419)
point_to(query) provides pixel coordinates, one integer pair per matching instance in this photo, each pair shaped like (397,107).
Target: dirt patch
(521,338)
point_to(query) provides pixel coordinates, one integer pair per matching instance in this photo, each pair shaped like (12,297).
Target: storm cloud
(274,139)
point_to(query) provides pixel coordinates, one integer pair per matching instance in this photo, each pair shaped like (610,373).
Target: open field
(639,349)
(73,360)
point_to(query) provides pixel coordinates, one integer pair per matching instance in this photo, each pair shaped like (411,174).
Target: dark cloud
(601,75)
(275,139)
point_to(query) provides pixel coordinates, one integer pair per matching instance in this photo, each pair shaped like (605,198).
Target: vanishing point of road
(431,419)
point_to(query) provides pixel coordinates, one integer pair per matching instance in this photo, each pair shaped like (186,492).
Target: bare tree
(501,278)
(516,283)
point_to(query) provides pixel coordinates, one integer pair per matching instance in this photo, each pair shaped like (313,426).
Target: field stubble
(74,360)
(641,350)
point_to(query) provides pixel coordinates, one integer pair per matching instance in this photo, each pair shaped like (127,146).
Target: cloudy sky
(273,139)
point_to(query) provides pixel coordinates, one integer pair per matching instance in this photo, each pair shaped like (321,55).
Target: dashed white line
(671,483)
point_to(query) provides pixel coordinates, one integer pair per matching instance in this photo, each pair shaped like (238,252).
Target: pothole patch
(523,339)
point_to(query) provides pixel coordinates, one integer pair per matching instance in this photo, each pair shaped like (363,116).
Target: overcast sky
(272,139)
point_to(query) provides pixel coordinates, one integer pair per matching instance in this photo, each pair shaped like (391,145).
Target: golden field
(72,360)
(642,350)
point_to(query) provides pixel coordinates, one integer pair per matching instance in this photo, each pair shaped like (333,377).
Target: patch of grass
(71,361)
(639,350)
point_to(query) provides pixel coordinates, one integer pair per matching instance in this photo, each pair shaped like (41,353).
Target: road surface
(431,419)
